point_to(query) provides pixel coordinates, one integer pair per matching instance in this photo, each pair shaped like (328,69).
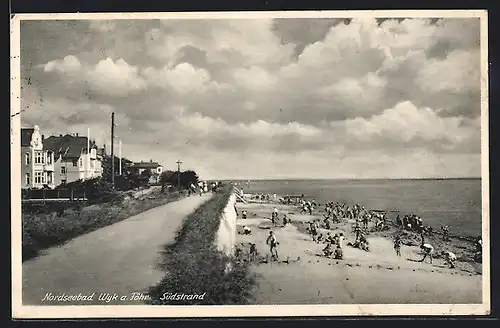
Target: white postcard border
(130,311)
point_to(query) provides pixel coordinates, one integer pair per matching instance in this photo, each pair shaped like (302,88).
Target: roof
(146,165)
(68,146)
(26,136)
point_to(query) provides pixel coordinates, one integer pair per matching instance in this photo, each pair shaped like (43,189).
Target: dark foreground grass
(193,266)
(44,230)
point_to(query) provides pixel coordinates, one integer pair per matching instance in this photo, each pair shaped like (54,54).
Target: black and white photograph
(270,163)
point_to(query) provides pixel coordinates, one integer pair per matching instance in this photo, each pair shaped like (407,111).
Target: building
(155,169)
(72,160)
(37,162)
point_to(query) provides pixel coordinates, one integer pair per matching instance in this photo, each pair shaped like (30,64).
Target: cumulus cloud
(107,76)
(267,93)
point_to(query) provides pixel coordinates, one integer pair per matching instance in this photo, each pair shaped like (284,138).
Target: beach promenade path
(120,258)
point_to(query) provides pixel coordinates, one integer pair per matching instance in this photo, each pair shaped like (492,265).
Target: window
(63,181)
(49,178)
(38,157)
(38,177)
(28,182)
(63,169)
(92,164)
(81,162)
(27,158)
(75,162)
(49,157)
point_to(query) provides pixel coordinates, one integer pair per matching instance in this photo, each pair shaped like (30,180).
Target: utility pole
(120,156)
(179,174)
(112,149)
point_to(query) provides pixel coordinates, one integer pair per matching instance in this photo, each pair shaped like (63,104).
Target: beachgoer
(363,243)
(479,245)
(450,258)
(244,214)
(237,253)
(247,230)
(273,243)
(397,245)
(365,221)
(328,251)
(341,240)
(358,231)
(329,239)
(313,230)
(428,251)
(285,220)
(399,222)
(339,254)
(273,218)
(253,252)
(446,232)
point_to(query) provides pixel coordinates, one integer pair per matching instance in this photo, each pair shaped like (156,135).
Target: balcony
(48,167)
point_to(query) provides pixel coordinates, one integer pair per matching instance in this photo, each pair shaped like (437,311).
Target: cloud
(107,76)
(406,125)
(259,93)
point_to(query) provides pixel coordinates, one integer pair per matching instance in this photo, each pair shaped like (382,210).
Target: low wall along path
(226,235)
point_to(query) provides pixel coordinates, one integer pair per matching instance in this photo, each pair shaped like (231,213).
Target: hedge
(193,265)
(44,230)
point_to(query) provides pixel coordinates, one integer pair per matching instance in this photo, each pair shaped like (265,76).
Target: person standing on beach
(479,244)
(273,243)
(397,245)
(365,221)
(313,230)
(446,233)
(341,240)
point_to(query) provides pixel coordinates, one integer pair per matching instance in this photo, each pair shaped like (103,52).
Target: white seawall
(226,235)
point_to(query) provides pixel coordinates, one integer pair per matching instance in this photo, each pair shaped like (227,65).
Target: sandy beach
(303,275)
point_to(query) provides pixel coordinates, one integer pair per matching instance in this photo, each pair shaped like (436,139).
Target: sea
(452,202)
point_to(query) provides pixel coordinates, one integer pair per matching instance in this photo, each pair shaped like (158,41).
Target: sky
(264,98)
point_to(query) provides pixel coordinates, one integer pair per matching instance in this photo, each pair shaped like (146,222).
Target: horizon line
(310,179)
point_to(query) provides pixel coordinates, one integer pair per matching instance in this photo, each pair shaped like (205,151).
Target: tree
(146,173)
(189,177)
(186,178)
(127,167)
(167,177)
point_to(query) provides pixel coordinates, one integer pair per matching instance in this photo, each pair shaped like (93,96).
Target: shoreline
(303,274)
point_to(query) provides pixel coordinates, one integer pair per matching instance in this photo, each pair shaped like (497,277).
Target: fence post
(58,194)
(71,194)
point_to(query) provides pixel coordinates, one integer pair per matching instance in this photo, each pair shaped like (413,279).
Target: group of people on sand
(334,245)
(335,212)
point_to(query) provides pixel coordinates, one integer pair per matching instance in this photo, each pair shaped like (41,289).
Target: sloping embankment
(198,259)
